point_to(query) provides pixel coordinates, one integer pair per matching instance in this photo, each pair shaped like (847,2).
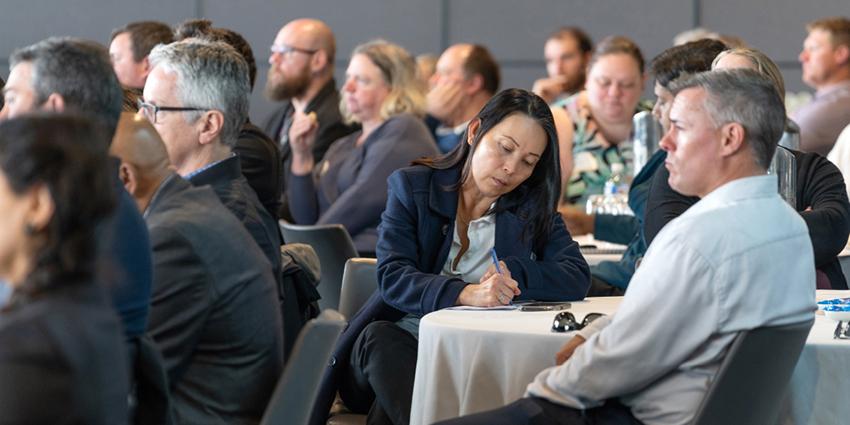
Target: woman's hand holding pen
(494,289)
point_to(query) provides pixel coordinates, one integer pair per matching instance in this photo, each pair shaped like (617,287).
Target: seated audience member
(612,277)
(567,52)
(496,190)
(196,97)
(213,311)
(826,68)
(466,77)
(68,74)
(301,75)
(744,255)
(426,66)
(259,156)
(349,186)
(820,193)
(599,118)
(62,353)
(129,48)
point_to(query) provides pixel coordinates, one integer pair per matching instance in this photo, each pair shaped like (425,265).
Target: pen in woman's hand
(495,260)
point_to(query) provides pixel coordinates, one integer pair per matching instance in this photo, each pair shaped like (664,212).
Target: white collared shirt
(475,261)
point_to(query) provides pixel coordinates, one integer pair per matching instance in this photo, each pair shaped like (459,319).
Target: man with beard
(301,75)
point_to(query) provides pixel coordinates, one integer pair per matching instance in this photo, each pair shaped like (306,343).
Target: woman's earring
(29,229)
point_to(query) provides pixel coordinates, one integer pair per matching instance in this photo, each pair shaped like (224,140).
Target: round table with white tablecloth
(471,361)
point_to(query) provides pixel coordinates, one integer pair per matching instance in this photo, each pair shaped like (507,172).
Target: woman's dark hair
(65,154)
(535,199)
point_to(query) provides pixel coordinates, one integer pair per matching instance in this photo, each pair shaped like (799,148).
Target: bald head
(144,160)
(137,143)
(311,34)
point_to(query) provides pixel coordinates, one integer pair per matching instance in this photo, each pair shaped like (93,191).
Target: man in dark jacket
(196,97)
(214,313)
(301,75)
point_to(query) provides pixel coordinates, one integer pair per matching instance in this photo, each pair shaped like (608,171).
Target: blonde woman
(349,186)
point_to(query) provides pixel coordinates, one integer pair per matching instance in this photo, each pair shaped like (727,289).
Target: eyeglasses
(566,321)
(284,49)
(151,111)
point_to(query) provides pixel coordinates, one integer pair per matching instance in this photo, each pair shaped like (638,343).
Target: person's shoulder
(414,175)
(406,121)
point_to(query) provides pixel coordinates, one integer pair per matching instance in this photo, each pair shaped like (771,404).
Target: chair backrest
(295,393)
(359,281)
(753,378)
(333,245)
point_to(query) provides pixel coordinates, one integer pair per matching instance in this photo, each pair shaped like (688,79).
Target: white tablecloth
(471,361)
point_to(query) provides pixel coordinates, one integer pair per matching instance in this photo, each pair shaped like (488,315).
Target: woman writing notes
(443,217)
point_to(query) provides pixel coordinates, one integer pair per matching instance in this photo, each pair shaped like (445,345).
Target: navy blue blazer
(414,239)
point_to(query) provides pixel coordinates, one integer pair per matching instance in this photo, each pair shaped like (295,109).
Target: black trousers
(379,380)
(601,288)
(538,411)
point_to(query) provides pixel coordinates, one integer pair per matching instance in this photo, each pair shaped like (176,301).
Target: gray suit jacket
(214,311)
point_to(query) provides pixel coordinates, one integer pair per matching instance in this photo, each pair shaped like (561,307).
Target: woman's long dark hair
(67,155)
(536,199)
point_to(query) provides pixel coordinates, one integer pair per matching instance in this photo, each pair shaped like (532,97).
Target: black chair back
(334,246)
(359,281)
(295,393)
(753,378)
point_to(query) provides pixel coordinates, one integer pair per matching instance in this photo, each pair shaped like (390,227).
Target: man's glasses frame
(151,111)
(284,49)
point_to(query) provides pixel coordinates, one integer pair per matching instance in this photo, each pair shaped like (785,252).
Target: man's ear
(129,177)
(319,61)
(732,138)
(146,66)
(842,54)
(211,124)
(474,84)
(54,103)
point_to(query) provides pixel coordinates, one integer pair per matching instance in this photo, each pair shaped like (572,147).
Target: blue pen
(495,260)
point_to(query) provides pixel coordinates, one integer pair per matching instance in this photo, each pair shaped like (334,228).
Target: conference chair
(359,281)
(753,378)
(295,392)
(333,245)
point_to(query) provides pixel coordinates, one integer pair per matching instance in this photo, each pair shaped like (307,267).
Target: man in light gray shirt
(739,259)
(826,68)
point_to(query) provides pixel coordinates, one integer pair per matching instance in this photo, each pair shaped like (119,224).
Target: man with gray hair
(739,259)
(213,310)
(196,97)
(70,74)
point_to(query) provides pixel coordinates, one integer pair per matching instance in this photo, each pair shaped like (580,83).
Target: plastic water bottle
(615,199)
(646,132)
(615,184)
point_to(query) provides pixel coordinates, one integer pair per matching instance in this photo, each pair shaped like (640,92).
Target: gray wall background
(514,31)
